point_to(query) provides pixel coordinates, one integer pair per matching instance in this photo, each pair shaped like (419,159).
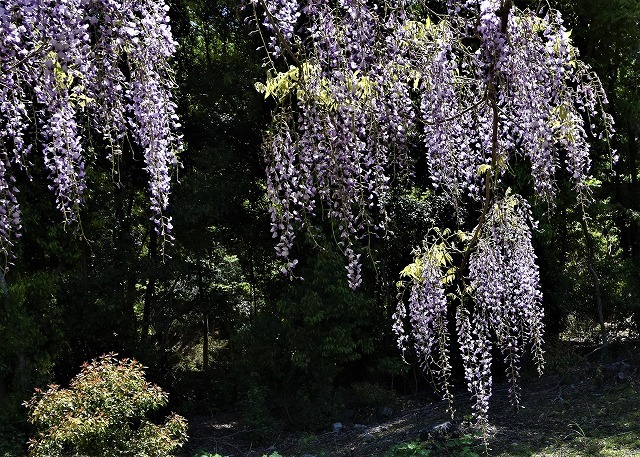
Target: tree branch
(283,41)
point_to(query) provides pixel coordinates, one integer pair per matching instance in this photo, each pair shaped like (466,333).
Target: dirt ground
(581,408)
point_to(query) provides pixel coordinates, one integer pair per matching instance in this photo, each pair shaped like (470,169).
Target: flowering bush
(103,414)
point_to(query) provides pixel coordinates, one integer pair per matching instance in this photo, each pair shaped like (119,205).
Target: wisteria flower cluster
(501,301)
(426,309)
(504,284)
(324,153)
(73,67)
(479,86)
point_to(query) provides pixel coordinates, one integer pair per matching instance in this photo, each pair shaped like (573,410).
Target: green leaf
(261,88)
(413,270)
(483,169)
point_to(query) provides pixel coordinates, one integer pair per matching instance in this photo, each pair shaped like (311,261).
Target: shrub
(255,413)
(103,413)
(462,446)
(370,395)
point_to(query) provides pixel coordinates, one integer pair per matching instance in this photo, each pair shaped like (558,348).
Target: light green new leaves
(308,84)
(437,255)
(95,415)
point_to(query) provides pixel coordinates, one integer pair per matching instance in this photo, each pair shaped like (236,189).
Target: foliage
(256,414)
(608,40)
(12,430)
(305,344)
(408,450)
(31,333)
(463,446)
(103,413)
(372,395)
(325,321)
(28,348)
(208,454)
(327,327)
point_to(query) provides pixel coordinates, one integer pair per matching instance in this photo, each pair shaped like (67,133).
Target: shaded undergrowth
(580,408)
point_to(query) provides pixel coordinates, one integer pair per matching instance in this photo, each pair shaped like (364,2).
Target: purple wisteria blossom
(426,313)
(505,286)
(324,151)
(61,74)
(280,18)
(479,86)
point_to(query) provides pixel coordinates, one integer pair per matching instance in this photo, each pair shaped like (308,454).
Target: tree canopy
(481,85)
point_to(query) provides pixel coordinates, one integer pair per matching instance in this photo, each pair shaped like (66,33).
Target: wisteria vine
(479,86)
(79,66)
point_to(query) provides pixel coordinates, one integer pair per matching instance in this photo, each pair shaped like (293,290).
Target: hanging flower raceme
(425,311)
(528,67)
(480,86)
(507,302)
(68,68)
(367,78)
(321,150)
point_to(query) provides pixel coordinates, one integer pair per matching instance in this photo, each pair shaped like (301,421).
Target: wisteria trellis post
(481,84)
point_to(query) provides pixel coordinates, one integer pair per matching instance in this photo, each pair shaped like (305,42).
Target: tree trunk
(633,154)
(5,301)
(205,343)
(563,237)
(598,296)
(151,286)
(3,390)
(596,281)
(252,286)
(634,243)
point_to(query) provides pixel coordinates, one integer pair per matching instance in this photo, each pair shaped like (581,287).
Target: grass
(589,420)
(577,410)
(456,447)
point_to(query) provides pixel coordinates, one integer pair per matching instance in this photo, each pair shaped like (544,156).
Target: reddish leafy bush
(103,413)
